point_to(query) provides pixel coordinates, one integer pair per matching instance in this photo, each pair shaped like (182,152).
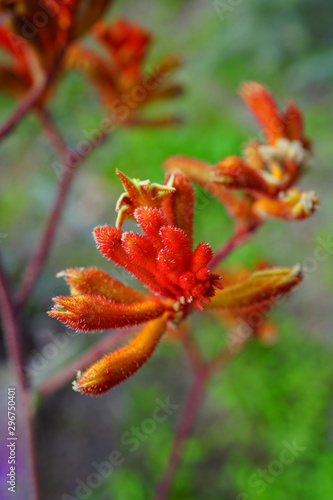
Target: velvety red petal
(94,281)
(179,207)
(91,312)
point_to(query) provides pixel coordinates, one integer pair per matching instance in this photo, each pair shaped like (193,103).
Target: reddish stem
(71,163)
(12,334)
(192,352)
(31,98)
(86,359)
(51,132)
(192,405)
(226,355)
(194,399)
(239,238)
(22,109)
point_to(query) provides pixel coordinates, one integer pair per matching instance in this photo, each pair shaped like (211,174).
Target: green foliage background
(268,395)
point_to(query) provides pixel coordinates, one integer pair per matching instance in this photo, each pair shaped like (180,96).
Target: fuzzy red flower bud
(91,312)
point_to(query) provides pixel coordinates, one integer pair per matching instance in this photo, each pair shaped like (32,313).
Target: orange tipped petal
(177,243)
(110,242)
(294,124)
(151,220)
(202,255)
(292,205)
(234,173)
(91,312)
(141,251)
(179,208)
(122,363)
(93,281)
(264,108)
(259,287)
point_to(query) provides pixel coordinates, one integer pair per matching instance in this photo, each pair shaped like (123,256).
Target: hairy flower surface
(267,172)
(175,273)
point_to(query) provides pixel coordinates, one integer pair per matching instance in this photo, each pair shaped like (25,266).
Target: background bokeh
(268,395)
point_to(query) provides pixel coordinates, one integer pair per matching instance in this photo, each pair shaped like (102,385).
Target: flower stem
(191,407)
(52,133)
(13,338)
(31,97)
(193,402)
(234,242)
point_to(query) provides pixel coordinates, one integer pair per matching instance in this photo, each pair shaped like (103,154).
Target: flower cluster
(267,172)
(118,73)
(42,39)
(36,35)
(177,276)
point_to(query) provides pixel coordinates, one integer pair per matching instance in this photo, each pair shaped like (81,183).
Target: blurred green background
(268,395)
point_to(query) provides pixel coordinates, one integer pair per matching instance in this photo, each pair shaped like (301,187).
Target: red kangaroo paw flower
(110,243)
(151,220)
(91,312)
(202,255)
(177,243)
(122,363)
(141,251)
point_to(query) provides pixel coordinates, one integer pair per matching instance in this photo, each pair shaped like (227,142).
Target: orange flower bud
(257,288)
(93,281)
(179,207)
(264,108)
(91,312)
(234,173)
(291,205)
(122,363)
